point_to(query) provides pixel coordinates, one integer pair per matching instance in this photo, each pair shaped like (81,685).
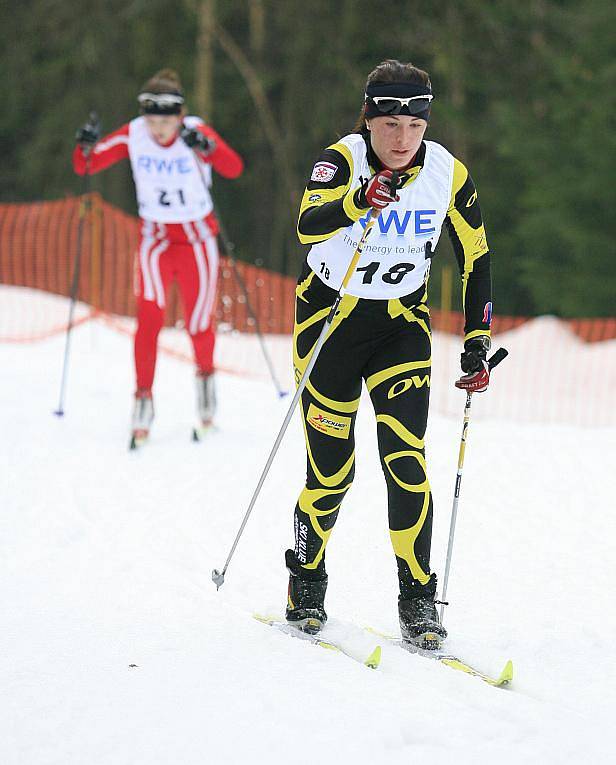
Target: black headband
(161,103)
(383,90)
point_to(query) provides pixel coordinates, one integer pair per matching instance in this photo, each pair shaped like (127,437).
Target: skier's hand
(195,139)
(87,135)
(473,362)
(377,192)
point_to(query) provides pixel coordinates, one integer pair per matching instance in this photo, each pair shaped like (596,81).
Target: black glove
(89,134)
(474,354)
(195,139)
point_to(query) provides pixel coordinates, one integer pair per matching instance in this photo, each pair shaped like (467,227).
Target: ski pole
(218,577)
(496,359)
(93,123)
(229,249)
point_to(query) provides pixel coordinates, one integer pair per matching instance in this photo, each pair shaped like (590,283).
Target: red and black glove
(474,364)
(378,192)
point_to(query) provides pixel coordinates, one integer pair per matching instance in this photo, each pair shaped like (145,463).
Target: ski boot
(306,597)
(143,414)
(206,403)
(419,621)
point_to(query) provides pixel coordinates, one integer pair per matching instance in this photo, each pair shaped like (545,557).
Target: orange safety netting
(39,243)
(38,249)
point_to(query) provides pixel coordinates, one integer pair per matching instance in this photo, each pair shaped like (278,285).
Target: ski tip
(374,659)
(506,676)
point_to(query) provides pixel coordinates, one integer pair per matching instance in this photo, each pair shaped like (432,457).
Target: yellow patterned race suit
(381,335)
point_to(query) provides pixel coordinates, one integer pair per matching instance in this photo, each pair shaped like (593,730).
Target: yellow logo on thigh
(403,385)
(336,425)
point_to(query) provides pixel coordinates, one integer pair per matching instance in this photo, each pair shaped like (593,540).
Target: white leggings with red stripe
(188,253)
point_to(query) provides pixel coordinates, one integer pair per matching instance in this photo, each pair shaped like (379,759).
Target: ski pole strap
(393,182)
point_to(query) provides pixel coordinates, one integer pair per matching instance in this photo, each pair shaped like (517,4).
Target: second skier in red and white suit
(172,157)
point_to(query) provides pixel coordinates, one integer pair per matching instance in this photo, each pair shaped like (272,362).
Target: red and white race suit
(178,231)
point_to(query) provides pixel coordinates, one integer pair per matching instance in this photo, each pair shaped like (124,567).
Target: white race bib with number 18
(396,256)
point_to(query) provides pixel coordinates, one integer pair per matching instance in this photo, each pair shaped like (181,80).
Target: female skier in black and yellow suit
(381,333)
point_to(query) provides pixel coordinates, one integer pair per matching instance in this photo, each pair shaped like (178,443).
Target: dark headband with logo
(394,98)
(161,103)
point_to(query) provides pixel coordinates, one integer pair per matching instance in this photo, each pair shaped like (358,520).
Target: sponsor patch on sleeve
(487,313)
(323,172)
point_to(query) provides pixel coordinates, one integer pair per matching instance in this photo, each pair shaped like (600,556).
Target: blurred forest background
(525,95)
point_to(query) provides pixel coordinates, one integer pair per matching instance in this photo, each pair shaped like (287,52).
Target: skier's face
(163,127)
(396,139)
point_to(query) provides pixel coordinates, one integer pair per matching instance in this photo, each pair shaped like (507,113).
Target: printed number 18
(394,276)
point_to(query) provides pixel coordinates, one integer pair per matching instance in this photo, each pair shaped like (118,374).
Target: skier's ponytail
(164,81)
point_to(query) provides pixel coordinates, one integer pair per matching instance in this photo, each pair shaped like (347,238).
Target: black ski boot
(306,597)
(419,620)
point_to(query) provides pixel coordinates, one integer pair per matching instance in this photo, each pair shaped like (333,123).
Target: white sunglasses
(159,99)
(393,105)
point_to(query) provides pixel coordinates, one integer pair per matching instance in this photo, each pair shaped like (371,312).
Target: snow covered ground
(116,648)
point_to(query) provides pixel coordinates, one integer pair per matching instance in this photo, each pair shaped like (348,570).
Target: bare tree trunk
(257,28)
(268,121)
(447,42)
(456,71)
(261,212)
(291,113)
(204,59)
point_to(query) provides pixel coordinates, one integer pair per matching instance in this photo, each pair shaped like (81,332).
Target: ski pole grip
(496,359)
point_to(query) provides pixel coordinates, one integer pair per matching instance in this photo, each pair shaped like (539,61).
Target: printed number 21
(163,197)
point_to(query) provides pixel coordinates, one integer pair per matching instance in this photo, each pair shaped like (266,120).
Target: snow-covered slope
(106,559)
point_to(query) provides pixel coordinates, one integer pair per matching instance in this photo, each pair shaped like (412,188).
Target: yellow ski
(505,678)
(372,661)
